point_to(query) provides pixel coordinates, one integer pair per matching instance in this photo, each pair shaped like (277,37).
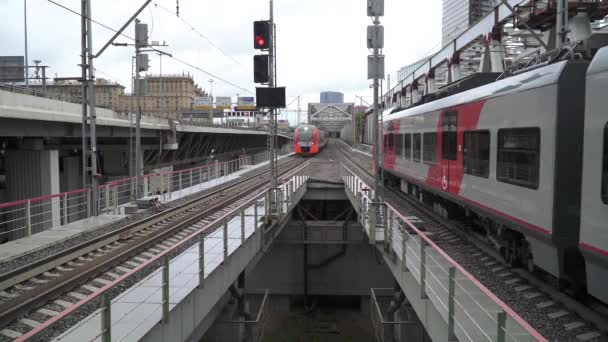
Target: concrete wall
(281,270)
(32,174)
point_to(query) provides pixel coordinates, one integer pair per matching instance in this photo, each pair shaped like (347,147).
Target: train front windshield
(305,134)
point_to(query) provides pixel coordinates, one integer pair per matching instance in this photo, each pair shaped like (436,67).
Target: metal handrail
(425,240)
(161,257)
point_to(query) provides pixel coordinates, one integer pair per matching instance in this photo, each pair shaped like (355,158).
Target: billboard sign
(246,103)
(223,102)
(12,69)
(203,103)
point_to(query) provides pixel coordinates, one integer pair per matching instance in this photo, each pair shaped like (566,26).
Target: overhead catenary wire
(195,30)
(172,57)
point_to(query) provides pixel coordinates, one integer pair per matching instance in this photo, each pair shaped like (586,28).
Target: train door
(449,148)
(390,146)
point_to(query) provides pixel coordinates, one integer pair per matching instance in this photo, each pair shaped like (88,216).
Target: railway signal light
(261,35)
(260,69)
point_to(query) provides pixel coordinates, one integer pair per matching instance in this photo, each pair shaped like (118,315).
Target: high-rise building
(459,15)
(332,97)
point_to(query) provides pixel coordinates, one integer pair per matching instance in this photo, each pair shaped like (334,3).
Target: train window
(429,142)
(417,147)
(407,146)
(449,139)
(477,153)
(399,151)
(518,159)
(605,167)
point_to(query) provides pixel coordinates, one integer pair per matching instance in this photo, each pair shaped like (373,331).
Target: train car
(594,209)
(507,156)
(309,140)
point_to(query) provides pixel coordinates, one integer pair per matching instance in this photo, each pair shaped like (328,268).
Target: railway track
(554,314)
(32,294)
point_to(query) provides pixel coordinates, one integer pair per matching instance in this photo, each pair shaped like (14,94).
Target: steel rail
(35,268)
(13,308)
(157,258)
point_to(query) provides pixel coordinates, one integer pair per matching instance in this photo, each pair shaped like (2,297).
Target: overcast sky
(321,43)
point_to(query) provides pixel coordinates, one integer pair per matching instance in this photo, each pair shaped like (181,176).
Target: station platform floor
(40,241)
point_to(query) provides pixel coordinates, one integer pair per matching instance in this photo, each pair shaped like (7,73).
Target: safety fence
(178,274)
(472,312)
(30,216)
(249,329)
(384,327)
(23,218)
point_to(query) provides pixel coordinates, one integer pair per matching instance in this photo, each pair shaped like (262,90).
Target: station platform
(79,229)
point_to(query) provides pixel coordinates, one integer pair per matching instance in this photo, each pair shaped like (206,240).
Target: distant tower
(332,97)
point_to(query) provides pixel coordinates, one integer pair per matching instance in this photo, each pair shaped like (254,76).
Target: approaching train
(525,159)
(309,140)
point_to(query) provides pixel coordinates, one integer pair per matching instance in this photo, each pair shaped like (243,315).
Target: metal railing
(23,218)
(384,327)
(253,329)
(214,245)
(472,311)
(26,217)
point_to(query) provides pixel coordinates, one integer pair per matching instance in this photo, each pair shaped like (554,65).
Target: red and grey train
(524,158)
(309,140)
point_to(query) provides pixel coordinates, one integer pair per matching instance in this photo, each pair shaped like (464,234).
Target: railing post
(225,239)
(89,194)
(386,226)
(115,200)
(201,261)
(217,169)
(242,226)
(501,320)
(280,202)
(180,180)
(423,294)
(404,237)
(107,197)
(451,292)
(267,203)
(28,217)
(255,215)
(373,217)
(65,208)
(191,178)
(165,299)
(106,317)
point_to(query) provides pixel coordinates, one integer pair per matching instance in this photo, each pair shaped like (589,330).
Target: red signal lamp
(261,41)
